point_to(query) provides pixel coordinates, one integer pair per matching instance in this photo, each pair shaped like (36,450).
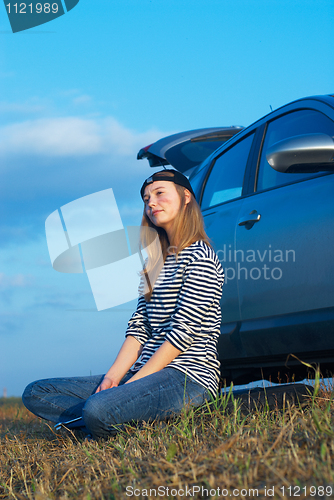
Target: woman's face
(163,203)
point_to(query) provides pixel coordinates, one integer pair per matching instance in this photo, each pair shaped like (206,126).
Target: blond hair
(188,228)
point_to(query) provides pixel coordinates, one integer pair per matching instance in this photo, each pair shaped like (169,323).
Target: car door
(284,241)
(221,203)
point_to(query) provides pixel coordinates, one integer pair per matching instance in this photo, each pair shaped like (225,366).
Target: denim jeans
(156,396)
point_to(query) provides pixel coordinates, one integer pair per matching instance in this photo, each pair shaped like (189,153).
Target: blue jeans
(156,396)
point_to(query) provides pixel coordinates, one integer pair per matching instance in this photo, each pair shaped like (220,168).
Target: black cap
(177,178)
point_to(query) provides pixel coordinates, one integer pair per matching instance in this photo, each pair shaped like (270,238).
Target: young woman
(171,339)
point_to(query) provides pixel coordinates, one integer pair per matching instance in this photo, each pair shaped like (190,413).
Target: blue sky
(79,96)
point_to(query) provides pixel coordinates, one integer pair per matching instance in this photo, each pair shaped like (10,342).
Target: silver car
(267,197)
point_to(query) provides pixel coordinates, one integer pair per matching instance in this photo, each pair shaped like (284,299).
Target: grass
(210,448)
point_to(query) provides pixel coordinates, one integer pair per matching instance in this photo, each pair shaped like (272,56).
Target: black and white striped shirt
(185,310)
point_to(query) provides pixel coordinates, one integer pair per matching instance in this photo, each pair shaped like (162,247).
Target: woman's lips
(156,212)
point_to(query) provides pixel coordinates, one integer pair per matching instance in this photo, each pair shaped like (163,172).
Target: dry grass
(207,448)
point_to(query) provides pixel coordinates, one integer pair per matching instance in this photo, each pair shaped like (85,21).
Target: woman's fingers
(106,383)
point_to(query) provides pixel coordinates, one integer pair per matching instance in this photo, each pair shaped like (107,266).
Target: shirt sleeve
(199,297)
(139,325)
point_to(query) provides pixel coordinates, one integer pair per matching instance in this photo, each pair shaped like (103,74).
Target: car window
(290,125)
(227,175)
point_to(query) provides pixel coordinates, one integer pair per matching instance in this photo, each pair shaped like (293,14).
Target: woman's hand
(107,383)
(128,354)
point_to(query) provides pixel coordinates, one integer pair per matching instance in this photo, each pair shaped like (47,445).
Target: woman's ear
(187,196)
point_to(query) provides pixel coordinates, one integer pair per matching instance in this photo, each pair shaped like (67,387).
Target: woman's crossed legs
(156,396)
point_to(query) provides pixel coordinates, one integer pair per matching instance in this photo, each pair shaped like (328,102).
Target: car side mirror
(302,154)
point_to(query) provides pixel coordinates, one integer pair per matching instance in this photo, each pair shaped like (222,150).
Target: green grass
(10,402)
(213,447)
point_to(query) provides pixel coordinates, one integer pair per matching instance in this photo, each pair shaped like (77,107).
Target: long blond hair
(188,228)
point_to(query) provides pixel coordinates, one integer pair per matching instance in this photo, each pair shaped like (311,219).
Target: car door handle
(249,219)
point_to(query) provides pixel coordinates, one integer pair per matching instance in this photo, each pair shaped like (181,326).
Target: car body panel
(283,247)
(222,236)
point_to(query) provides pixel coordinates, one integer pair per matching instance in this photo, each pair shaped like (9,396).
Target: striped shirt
(185,310)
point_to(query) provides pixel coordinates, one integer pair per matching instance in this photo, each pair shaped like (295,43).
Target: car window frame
(246,173)
(265,129)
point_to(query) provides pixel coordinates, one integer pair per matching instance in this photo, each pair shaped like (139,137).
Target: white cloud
(82,99)
(127,142)
(15,107)
(72,136)
(15,281)
(51,137)
(47,163)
